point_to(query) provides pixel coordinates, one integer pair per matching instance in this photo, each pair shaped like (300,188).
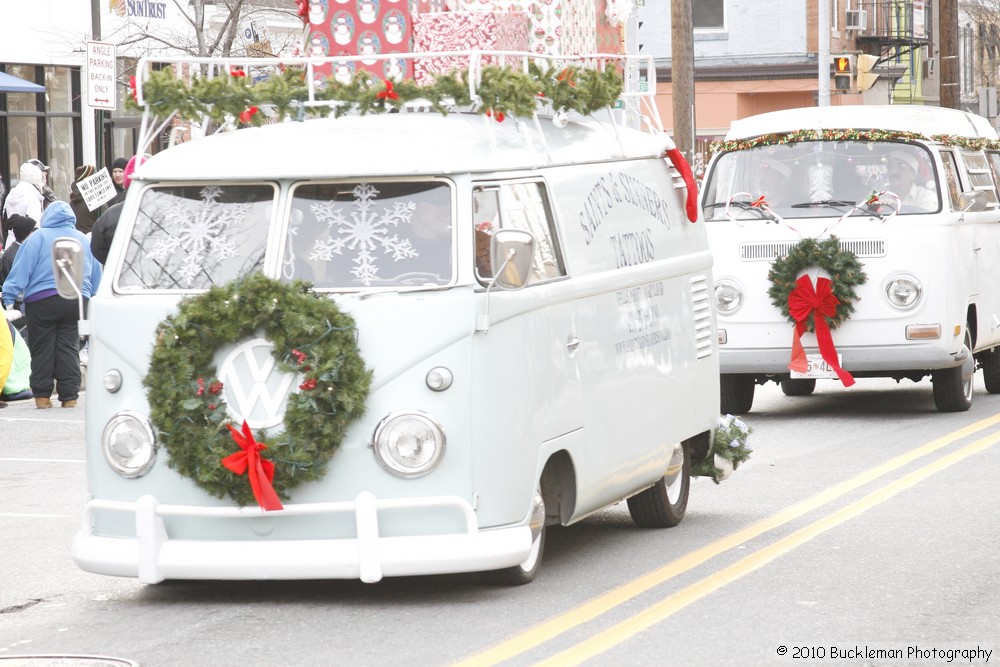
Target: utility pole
(951,95)
(682,75)
(823,55)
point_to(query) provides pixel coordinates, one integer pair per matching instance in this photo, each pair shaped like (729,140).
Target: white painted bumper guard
(153,556)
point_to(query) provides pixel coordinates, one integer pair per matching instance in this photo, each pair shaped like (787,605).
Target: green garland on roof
(501,92)
(778,138)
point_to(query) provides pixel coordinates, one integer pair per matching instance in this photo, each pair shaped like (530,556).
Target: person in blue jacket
(53,334)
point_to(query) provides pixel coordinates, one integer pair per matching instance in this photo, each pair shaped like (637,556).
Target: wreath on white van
(311,338)
(843,267)
(817,307)
(729,449)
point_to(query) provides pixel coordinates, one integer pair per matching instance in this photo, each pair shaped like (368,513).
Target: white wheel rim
(674,479)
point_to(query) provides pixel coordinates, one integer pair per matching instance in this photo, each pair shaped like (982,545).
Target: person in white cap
(903,168)
(25,198)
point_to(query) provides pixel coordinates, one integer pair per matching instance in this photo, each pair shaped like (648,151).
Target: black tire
(798,386)
(663,505)
(524,573)
(991,371)
(953,386)
(736,393)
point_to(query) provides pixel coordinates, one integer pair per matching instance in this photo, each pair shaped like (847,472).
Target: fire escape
(894,31)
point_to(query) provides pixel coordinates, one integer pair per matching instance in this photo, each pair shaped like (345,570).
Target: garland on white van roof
(311,338)
(500,92)
(778,138)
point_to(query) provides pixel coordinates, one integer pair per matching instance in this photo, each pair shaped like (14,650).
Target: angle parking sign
(101,75)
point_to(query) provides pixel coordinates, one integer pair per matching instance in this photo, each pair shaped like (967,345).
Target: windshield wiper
(832,203)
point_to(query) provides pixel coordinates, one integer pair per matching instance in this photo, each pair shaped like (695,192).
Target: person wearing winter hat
(53,332)
(118,175)
(25,198)
(48,195)
(21,225)
(104,229)
(84,216)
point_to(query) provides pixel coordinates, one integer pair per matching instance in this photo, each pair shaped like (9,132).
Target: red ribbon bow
(821,303)
(259,470)
(759,202)
(245,116)
(388,93)
(303,9)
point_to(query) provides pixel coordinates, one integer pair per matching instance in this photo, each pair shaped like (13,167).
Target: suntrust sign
(148,9)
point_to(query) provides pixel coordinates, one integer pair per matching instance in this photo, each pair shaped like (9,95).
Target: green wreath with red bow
(311,338)
(819,307)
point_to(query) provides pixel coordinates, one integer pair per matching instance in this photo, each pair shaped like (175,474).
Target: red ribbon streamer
(681,165)
(820,302)
(259,470)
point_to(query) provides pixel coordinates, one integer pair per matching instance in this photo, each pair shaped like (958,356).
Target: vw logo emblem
(253,388)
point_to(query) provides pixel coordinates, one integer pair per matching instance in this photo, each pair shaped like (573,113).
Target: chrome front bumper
(153,556)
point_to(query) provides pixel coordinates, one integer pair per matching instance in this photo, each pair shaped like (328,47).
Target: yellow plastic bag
(6,352)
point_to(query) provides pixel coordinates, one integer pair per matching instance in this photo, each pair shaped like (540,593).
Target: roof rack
(634,107)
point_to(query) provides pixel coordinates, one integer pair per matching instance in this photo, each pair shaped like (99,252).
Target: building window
(708,14)
(45,125)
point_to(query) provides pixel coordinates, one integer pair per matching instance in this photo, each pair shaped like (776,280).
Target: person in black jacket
(104,229)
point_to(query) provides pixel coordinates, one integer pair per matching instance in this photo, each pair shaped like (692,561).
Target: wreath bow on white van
(311,338)
(819,307)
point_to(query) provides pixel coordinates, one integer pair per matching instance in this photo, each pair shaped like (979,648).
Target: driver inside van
(903,169)
(773,183)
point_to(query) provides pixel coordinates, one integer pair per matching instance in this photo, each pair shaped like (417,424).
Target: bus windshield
(812,179)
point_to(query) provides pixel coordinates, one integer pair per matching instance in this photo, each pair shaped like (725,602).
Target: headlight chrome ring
(409,444)
(728,296)
(129,444)
(903,291)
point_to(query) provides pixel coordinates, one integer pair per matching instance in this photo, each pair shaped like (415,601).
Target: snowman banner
(361,27)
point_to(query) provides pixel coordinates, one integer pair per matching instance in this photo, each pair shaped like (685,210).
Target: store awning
(12,84)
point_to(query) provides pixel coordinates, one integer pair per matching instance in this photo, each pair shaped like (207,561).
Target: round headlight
(409,444)
(129,445)
(728,297)
(903,292)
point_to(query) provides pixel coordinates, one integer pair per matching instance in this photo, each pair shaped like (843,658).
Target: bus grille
(768,251)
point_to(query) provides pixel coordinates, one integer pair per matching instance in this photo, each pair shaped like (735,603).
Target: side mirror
(512,251)
(67,267)
(973,201)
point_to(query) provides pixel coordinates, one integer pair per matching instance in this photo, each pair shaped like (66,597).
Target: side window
(989,175)
(951,177)
(197,236)
(517,206)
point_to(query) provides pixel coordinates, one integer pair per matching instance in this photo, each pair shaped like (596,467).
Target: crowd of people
(40,346)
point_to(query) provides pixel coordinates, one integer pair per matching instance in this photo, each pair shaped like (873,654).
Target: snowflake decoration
(202,231)
(363,233)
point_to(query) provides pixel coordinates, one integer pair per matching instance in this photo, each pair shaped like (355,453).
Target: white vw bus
(911,192)
(578,369)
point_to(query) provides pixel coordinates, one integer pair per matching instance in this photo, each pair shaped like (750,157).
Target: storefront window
(58,90)
(61,166)
(22,142)
(44,126)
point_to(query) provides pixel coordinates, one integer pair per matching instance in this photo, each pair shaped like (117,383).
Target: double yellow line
(615,635)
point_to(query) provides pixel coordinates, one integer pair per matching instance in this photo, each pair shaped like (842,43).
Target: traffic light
(843,72)
(866,78)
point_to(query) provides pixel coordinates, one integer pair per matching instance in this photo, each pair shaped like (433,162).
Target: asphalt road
(863,531)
